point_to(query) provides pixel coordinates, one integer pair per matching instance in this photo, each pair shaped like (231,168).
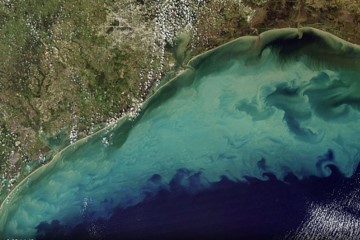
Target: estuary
(285,103)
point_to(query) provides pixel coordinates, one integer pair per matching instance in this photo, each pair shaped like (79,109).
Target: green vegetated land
(58,75)
(70,66)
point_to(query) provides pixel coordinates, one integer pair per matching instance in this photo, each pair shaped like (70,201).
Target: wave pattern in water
(238,111)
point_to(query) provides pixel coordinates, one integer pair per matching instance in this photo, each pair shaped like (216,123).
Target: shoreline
(54,158)
(257,42)
(114,124)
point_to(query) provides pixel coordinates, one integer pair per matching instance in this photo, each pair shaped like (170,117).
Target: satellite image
(179,119)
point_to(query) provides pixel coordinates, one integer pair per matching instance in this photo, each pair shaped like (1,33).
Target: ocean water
(255,138)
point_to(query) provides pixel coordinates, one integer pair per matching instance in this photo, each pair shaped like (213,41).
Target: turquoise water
(230,114)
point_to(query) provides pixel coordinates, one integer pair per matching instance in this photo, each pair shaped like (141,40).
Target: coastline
(55,157)
(80,141)
(257,42)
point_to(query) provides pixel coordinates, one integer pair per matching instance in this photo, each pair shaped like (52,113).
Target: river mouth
(265,108)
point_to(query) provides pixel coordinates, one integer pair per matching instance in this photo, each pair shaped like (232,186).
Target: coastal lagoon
(257,128)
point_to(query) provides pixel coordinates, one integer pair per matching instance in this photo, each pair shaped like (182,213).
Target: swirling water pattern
(230,115)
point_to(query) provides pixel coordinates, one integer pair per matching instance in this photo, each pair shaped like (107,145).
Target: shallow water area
(251,107)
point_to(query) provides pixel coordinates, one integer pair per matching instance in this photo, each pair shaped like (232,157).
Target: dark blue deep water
(270,209)
(257,139)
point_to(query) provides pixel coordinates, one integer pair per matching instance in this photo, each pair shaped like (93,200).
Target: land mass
(70,67)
